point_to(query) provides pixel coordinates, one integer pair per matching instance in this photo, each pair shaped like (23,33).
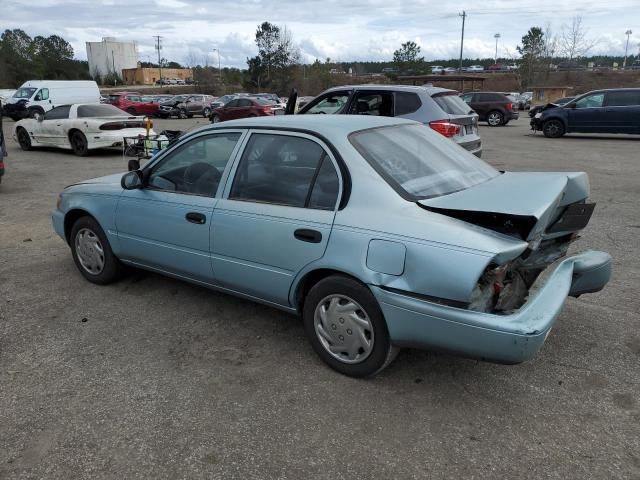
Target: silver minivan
(440,109)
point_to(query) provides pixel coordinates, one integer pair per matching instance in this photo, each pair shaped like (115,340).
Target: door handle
(306,235)
(195,217)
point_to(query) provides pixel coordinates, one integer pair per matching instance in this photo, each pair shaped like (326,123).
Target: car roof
(393,88)
(325,125)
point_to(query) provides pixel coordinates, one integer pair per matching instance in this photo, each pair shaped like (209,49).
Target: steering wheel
(201,178)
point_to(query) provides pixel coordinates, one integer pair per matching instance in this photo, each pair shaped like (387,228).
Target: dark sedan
(245,107)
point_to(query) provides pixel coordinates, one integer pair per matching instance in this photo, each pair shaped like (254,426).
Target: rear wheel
(92,253)
(495,118)
(553,128)
(23,139)
(346,328)
(79,143)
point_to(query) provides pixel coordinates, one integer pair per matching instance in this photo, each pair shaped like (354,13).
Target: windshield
(264,101)
(418,163)
(451,103)
(99,110)
(26,92)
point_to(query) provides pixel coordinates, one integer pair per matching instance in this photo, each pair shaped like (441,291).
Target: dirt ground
(154,378)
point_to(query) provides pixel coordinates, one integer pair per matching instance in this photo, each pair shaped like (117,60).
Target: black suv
(494,108)
(600,111)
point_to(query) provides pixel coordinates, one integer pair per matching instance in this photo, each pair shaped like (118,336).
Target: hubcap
(216,119)
(553,128)
(90,252)
(343,328)
(494,119)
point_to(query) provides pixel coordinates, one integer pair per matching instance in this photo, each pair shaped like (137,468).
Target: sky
(346,30)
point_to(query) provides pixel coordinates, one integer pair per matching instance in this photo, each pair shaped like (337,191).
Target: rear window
(419,163)
(451,103)
(407,103)
(492,97)
(98,110)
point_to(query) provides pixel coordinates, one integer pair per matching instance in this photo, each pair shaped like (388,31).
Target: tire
(372,350)
(182,114)
(215,119)
(495,118)
(553,128)
(206,112)
(92,253)
(131,111)
(23,139)
(506,122)
(32,112)
(79,143)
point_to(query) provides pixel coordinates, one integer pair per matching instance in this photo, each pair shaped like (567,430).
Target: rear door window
(378,104)
(283,170)
(623,99)
(591,101)
(407,102)
(244,102)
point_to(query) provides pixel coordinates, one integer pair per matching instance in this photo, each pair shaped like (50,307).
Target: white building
(109,56)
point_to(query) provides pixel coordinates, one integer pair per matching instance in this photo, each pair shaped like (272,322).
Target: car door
(244,108)
(481,103)
(166,225)
(329,103)
(276,214)
(622,111)
(227,112)
(586,114)
(52,129)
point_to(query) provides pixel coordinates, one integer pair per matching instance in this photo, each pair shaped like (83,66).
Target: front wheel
(215,119)
(92,253)
(79,144)
(206,112)
(495,118)
(182,114)
(346,328)
(553,128)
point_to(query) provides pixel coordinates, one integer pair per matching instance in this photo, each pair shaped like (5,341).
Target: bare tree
(573,41)
(191,59)
(550,48)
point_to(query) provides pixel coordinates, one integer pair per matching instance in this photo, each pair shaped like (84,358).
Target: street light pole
(626,49)
(464,17)
(496,36)
(219,69)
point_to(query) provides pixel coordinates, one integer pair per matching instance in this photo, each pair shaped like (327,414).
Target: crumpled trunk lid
(519,204)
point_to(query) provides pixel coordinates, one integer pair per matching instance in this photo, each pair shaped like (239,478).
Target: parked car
(132,103)
(380,233)
(78,127)
(439,108)
(493,107)
(436,69)
(186,106)
(475,68)
(221,101)
(556,103)
(497,67)
(524,100)
(565,67)
(244,107)
(600,111)
(40,96)
(450,70)
(6,93)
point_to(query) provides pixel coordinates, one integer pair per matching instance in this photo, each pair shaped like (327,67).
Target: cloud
(354,30)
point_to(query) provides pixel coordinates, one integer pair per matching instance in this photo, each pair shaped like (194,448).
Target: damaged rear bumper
(510,338)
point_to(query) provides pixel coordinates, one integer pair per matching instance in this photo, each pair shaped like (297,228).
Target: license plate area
(575,217)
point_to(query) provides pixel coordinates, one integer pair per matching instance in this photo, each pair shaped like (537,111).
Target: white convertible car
(79,127)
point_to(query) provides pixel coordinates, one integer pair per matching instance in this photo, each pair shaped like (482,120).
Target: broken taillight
(445,127)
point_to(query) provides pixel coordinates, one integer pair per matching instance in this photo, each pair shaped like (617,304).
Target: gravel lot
(154,378)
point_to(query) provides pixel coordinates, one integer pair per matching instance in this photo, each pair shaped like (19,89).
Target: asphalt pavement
(155,378)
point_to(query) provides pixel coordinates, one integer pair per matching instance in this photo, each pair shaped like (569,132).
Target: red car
(244,107)
(132,103)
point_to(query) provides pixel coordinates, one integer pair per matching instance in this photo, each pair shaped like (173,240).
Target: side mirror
(38,116)
(132,180)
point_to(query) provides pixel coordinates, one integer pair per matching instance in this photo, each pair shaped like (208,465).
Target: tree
(406,58)
(267,40)
(531,50)
(573,41)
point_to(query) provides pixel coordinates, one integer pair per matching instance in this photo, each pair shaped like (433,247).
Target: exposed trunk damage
(546,210)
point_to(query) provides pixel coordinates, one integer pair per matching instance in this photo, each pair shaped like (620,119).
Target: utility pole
(158,48)
(219,69)
(626,49)
(464,16)
(496,36)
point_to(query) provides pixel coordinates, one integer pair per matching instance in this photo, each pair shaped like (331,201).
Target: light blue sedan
(380,232)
